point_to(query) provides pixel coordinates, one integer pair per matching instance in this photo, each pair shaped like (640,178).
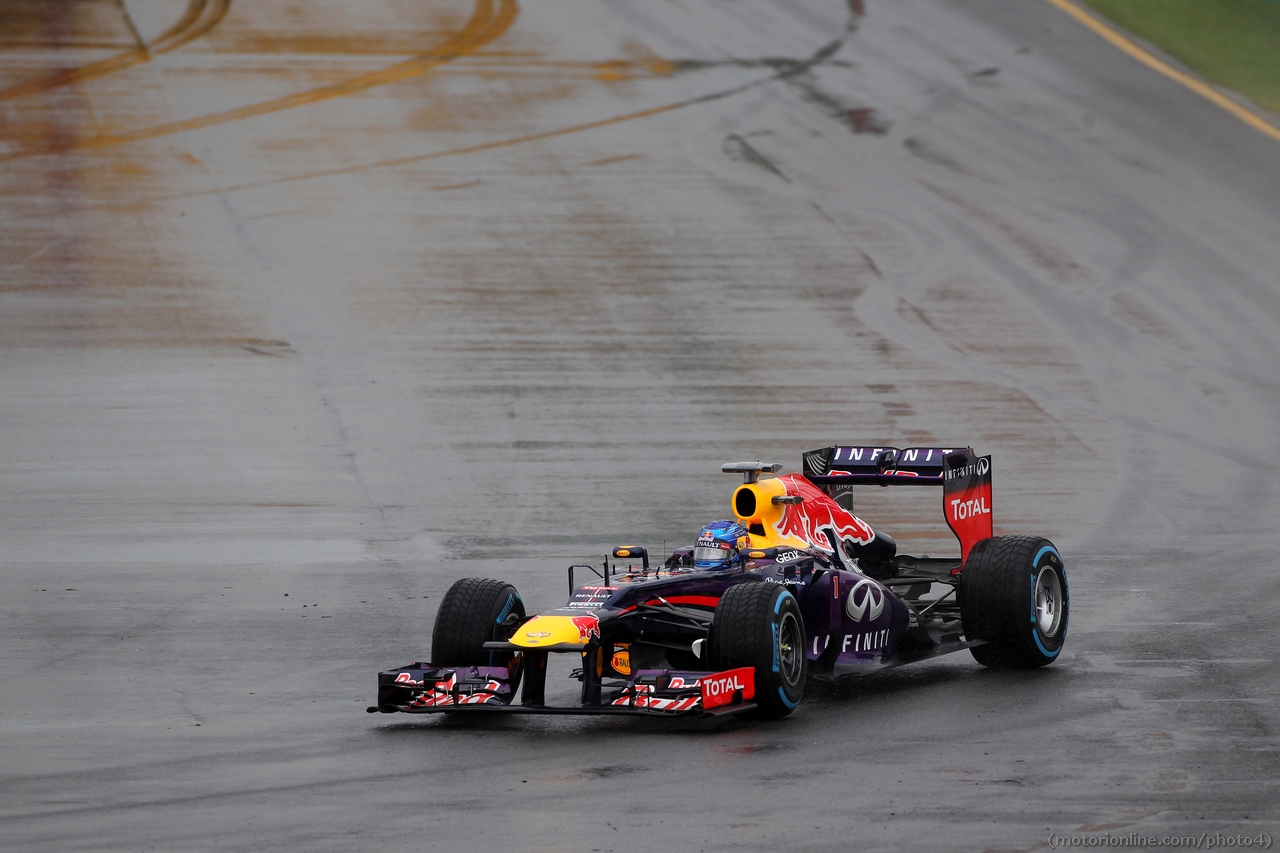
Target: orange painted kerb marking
(1157,64)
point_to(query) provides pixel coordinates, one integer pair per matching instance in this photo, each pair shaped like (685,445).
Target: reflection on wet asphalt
(309,308)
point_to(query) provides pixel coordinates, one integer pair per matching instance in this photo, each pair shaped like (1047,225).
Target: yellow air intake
(753,505)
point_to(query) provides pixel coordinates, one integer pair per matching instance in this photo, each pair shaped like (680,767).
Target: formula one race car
(795,587)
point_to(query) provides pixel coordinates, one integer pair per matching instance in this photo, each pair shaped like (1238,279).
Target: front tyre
(1013,595)
(759,625)
(473,612)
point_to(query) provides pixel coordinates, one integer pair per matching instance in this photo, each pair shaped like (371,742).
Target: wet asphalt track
(312,308)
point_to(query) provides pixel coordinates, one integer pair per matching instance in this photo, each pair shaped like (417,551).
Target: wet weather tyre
(475,611)
(759,625)
(1013,595)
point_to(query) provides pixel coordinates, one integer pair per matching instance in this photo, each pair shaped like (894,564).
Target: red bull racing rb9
(793,587)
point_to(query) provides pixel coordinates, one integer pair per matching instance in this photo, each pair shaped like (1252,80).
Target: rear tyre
(1013,595)
(476,611)
(759,625)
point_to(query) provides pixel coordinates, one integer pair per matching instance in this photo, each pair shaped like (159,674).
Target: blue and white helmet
(719,545)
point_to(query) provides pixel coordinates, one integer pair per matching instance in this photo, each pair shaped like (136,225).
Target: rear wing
(965,479)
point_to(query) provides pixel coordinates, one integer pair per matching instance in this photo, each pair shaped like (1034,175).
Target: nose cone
(542,631)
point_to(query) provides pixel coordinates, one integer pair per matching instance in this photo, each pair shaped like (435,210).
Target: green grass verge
(1234,43)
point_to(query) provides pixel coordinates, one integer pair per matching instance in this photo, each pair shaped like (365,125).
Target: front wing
(423,688)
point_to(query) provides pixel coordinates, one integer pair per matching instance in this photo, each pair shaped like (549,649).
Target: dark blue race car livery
(811,591)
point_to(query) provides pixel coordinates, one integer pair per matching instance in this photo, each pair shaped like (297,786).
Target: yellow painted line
(188,28)
(191,27)
(451,152)
(410,160)
(119,62)
(1133,49)
(486,24)
(490,19)
(435,155)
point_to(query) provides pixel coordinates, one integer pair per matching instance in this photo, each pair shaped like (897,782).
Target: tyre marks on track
(199,17)
(489,20)
(781,71)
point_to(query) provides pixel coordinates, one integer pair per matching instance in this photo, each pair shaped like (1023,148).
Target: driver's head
(719,544)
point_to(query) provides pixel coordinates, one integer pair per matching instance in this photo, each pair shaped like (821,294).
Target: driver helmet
(719,544)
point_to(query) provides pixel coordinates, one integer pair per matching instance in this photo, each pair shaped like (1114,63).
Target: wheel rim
(1048,602)
(791,649)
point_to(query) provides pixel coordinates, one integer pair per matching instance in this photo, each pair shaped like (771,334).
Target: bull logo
(865,599)
(588,627)
(807,519)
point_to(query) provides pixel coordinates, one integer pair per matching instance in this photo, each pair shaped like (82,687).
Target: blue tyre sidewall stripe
(777,646)
(777,637)
(1062,576)
(777,606)
(512,598)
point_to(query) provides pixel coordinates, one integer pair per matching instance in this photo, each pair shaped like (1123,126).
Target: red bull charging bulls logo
(588,626)
(817,511)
